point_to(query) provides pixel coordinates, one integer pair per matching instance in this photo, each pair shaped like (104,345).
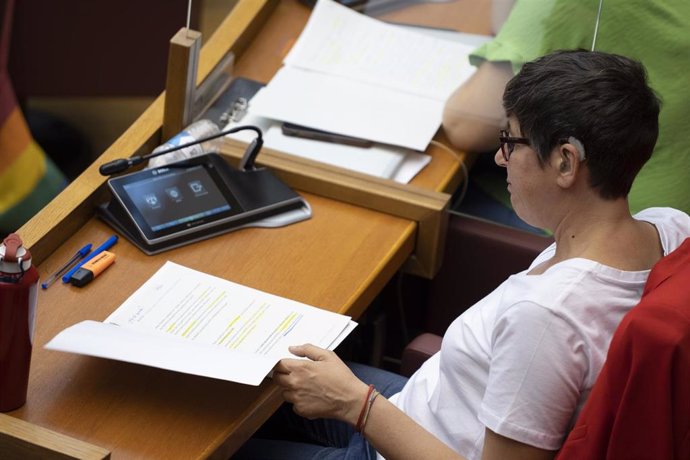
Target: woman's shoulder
(569,283)
(663,215)
(672,225)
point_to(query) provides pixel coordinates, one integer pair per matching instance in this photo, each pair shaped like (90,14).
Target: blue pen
(79,255)
(109,243)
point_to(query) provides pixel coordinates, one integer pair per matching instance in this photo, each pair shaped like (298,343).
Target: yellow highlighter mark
(189,328)
(286,322)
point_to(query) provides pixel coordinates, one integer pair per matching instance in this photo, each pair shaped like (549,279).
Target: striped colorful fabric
(28,178)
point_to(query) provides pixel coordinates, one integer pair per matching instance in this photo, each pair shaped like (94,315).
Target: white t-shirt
(523,360)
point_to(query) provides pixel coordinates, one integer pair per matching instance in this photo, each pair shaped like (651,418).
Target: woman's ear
(568,165)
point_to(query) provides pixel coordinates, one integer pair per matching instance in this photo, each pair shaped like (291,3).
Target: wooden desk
(338,260)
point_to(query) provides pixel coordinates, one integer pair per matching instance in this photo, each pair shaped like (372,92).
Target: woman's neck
(605,232)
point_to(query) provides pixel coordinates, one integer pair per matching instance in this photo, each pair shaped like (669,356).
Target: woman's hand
(320,387)
(324,387)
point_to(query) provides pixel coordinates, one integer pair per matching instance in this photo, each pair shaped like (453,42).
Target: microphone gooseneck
(246,163)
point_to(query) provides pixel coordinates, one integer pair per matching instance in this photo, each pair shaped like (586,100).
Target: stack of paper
(358,76)
(385,161)
(187,321)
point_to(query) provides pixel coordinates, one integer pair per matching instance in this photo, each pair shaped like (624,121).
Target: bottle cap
(14,258)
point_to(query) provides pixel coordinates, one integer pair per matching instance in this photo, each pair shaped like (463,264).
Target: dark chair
(478,256)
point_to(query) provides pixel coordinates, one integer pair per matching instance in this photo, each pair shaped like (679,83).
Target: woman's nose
(498,158)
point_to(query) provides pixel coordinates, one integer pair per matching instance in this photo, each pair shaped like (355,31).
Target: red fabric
(639,407)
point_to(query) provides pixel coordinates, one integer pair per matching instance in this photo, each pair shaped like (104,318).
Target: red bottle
(18,289)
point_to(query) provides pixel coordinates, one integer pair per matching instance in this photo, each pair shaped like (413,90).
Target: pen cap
(87,272)
(18,294)
(99,263)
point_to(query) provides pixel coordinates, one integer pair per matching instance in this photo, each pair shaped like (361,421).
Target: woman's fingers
(310,351)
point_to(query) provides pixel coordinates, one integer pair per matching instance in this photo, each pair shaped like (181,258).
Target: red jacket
(639,407)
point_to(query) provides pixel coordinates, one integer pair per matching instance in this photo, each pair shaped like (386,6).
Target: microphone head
(118,166)
(114,167)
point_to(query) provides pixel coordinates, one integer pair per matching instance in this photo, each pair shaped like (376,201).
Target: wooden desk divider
(20,440)
(426,207)
(180,84)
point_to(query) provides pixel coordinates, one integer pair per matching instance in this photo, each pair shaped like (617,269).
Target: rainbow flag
(28,178)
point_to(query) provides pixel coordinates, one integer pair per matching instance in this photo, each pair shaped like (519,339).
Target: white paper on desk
(355,75)
(187,321)
(388,162)
(342,105)
(339,41)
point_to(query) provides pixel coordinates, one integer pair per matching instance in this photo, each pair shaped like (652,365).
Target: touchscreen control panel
(171,198)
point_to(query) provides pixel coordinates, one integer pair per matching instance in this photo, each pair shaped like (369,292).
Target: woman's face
(531,185)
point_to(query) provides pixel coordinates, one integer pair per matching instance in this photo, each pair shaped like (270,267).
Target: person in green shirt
(654,33)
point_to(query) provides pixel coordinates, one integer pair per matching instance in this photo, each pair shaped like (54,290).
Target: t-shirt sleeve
(536,376)
(537,27)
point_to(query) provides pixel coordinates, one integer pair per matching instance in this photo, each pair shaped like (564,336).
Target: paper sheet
(337,104)
(188,321)
(354,75)
(388,162)
(339,41)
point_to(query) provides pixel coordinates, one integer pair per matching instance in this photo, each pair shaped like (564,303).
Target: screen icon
(174,194)
(152,200)
(197,187)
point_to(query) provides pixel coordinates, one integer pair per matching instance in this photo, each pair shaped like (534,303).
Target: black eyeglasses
(508,143)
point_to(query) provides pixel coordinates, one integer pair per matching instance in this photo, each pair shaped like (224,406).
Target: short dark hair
(601,99)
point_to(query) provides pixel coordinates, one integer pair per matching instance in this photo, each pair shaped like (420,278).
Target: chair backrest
(639,407)
(478,256)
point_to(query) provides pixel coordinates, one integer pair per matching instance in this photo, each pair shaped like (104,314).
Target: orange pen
(92,268)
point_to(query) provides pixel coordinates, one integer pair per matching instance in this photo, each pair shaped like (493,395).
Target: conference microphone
(246,163)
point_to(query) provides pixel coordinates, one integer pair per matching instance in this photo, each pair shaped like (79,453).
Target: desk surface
(338,260)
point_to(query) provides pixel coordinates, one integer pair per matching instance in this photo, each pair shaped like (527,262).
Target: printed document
(385,161)
(187,321)
(355,75)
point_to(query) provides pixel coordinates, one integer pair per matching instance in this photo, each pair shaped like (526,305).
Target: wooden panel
(180,83)
(20,440)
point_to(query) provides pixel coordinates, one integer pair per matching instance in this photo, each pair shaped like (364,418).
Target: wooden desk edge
(24,440)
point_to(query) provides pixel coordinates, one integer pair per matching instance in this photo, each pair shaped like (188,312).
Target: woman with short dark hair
(515,369)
